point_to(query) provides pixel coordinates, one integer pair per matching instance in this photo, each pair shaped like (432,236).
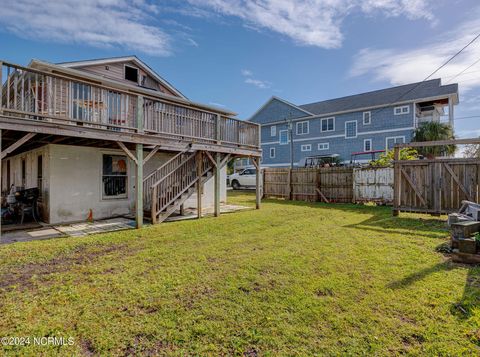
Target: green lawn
(292,278)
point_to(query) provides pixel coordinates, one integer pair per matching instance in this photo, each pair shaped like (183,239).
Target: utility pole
(290,136)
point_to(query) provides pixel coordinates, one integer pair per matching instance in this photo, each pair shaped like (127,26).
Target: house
(111,137)
(357,125)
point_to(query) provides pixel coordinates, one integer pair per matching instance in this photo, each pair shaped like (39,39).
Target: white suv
(245,178)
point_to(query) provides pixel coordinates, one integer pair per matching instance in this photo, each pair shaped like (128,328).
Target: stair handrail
(188,148)
(172,171)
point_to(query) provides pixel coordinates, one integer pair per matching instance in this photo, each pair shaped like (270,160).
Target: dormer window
(131,74)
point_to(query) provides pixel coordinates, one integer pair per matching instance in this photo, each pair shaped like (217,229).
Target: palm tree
(434,131)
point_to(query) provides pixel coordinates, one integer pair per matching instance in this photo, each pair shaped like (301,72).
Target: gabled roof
(388,96)
(283,101)
(134,59)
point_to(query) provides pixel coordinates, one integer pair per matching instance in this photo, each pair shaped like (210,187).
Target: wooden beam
(17,144)
(217,185)
(439,143)
(225,160)
(412,184)
(457,180)
(151,153)
(258,185)
(322,196)
(129,153)
(397,180)
(139,187)
(154,204)
(211,158)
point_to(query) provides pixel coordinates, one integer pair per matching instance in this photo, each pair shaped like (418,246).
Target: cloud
(312,22)
(400,66)
(256,82)
(101,23)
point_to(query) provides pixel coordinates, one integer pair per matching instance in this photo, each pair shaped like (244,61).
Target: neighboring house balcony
(441,110)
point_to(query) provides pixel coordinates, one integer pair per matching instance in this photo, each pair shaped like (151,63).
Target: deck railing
(37,95)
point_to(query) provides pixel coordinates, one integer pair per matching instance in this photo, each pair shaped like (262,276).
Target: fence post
(289,184)
(437,188)
(396,181)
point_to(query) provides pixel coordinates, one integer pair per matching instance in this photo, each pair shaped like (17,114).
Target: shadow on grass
(380,220)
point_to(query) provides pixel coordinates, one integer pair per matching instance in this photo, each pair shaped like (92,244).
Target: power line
(460,73)
(435,71)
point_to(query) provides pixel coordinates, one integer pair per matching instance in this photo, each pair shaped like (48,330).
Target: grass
(292,278)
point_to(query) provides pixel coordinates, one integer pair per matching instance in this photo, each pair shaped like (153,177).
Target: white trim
(280,135)
(306,147)
(394,138)
(274,152)
(298,124)
(321,125)
(369,118)
(273,130)
(343,135)
(382,107)
(281,100)
(356,129)
(364,142)
(321,149)
(401,110)
(134,59)
(138,73)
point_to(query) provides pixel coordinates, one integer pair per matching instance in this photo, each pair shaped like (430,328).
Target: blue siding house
(359,123)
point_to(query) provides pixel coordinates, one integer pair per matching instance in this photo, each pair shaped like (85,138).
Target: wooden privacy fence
(435,186)
(373,184)
(333,184)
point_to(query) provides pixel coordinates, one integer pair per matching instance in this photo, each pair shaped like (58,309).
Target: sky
(238,53)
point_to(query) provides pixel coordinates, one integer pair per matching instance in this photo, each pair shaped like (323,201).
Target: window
(401,110)
(327,124)
(114,176)
(249,172)
(306,147)
(131,74)
(367,118)
(302,128)
(351,129)
(392,140)
(273,130)
(367,145)
(283,137)
(40,174)
(323,146)
(272,153)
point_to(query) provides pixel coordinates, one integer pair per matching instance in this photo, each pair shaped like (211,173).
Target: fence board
(373,184)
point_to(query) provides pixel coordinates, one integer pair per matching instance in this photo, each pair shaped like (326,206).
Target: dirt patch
(20,277)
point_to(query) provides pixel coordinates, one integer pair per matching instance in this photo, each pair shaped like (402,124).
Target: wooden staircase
(169,186)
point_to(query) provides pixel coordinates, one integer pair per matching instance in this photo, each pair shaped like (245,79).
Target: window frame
(272,149)
(280,137)
(394,138)
(102,187)
(356,129)
(371,145)
(273,130)
(369,118)
(300,125)
(326,148)
(321,124)
(125,73)
(305,147)
(401,110)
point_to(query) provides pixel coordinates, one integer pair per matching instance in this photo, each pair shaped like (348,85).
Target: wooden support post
(1,87)
(199,185)
(139,165)
(217,128)
(217,185)
(396,181)
(139,186)
(289,184)
(17,144)
(258,188)
(182,210)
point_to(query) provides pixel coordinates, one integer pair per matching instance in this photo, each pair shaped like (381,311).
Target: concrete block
(465,229)
(467,245)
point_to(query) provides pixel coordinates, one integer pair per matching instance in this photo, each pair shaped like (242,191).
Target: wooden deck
(39,101)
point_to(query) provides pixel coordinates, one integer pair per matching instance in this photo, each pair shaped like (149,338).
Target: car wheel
(235,185)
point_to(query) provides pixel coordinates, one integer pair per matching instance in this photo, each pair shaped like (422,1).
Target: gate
(435,186)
